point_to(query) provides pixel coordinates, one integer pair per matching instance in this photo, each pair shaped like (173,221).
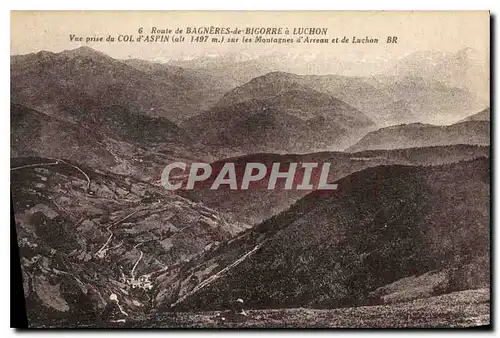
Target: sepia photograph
(251,169)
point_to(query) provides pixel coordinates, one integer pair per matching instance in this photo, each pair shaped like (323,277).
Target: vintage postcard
(273,169)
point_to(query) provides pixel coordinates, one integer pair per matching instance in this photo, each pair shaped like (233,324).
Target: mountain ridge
(421,135)
(92,79)
(351,246)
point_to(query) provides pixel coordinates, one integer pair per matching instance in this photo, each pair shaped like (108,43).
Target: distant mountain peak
(424,135)
(483,115)
(83,51)
(275,76)
(44,53)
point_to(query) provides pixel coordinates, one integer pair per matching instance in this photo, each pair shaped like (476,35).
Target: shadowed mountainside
(340,248)
(257,203)
(113,139)
(275,114)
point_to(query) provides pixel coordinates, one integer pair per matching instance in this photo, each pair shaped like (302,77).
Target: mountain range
(113,139)
(408,146)
(466,69)
(297,113)
(483,115)
(367,243)
(425,83)
(91,79)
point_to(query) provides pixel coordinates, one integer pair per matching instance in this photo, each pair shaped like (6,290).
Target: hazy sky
(440,31)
